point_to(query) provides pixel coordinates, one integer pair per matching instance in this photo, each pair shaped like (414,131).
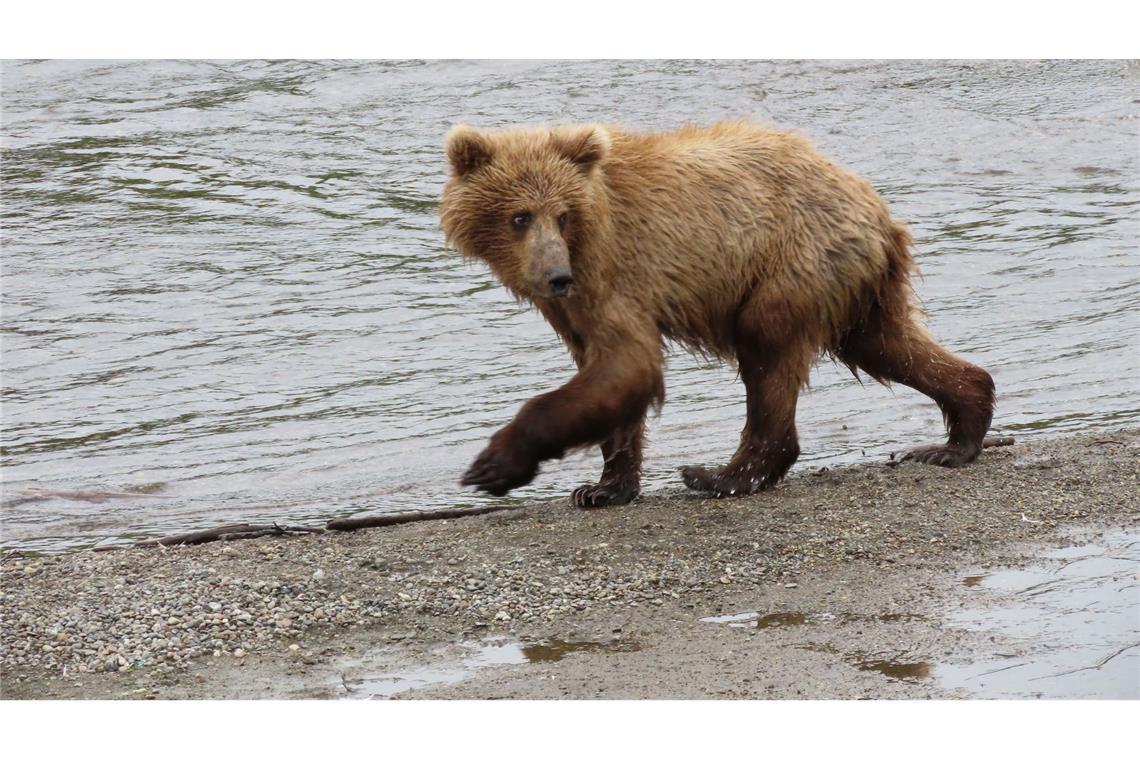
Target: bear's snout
(559,279)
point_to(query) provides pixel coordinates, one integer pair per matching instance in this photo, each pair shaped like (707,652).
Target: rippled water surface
(226,297)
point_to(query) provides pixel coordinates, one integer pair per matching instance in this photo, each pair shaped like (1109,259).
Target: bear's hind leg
(621,475)
(901,350)
(769,444)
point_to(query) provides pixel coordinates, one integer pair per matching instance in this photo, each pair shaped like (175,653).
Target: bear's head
(527,202)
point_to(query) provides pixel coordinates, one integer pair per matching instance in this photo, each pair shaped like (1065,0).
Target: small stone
(318,575)
(239,652)
(791,585)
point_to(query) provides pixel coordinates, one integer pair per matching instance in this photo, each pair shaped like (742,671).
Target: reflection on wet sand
(490,652)
(1073,619)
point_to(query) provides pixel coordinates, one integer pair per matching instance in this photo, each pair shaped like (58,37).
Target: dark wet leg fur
(902,351)
(772,377)
(621,476)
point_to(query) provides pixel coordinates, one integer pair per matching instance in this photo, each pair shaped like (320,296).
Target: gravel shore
(177,622)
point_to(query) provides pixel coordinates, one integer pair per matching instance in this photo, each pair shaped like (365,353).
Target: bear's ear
(467,149)
(582,146)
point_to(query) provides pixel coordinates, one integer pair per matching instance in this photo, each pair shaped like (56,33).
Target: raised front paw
(499,469)
(603,494)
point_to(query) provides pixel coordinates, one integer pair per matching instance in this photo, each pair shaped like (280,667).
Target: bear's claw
(603,495)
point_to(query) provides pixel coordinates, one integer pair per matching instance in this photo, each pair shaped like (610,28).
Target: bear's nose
(560,281)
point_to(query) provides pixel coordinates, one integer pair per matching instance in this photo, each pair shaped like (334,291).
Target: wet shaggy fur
(736,241)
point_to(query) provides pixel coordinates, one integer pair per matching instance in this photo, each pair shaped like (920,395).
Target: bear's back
(702,216)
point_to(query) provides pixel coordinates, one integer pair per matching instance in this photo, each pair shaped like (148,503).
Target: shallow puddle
(451,669)
(789,619)
(734,620)
(1073,623)
(553,650)
(780,619)
(902,671)
(769,620)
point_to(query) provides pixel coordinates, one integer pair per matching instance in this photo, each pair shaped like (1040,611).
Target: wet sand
(865,582)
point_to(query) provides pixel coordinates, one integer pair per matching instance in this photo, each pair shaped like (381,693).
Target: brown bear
(734,240)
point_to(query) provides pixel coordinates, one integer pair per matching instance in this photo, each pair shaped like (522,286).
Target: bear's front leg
(611,392)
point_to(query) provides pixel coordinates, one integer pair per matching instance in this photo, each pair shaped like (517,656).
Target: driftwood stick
(221,533)
(397,518)
(241,531)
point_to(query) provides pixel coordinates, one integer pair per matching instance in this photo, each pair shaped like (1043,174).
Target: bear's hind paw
(945,455)
(719,484)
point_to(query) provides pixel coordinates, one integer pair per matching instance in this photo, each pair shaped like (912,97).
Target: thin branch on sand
(397,518)
(223,533)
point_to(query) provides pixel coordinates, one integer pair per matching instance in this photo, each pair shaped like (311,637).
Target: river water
(226,296)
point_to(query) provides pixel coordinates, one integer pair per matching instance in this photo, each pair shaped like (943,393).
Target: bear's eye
(562,219)
(520,221)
